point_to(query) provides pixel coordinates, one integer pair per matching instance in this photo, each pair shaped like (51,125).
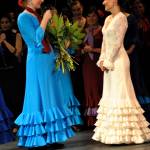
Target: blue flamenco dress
(50,110)
(5,122)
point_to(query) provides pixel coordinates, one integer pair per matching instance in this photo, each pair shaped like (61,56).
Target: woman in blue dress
(5,122)
(46,117)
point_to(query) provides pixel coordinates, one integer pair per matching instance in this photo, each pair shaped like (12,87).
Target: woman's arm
(102,54)
(18,44)
(89,48)
(28,29)
(11,48)
(115,41)
(131,49)
(46,18)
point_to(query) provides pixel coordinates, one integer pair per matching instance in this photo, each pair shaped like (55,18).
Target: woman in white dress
(120,118)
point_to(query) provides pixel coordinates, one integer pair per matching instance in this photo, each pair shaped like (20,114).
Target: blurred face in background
(92,19)
(5,23)
(77,10)
(138,7)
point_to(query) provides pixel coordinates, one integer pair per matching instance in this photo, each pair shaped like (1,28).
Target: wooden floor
(82,141)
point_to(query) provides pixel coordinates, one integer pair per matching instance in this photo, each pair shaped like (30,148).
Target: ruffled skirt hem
(51,126)
(121,126)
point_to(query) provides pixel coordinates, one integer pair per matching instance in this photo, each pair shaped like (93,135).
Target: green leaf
(59,33)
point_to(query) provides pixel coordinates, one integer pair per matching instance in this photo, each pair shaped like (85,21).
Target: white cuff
(99,62)
(109,65)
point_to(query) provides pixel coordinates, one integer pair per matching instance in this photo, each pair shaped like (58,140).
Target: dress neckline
(115,15)
(28,13)
(111,20)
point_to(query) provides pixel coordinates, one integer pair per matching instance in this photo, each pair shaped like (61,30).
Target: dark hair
(66,11)
(6,16)
(21,3)
(124,5)
(91,9)
(75,2)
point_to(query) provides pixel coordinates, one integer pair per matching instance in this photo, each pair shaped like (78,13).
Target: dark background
(11,5)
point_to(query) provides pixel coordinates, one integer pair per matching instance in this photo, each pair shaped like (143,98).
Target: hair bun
(124,4)
(21,3)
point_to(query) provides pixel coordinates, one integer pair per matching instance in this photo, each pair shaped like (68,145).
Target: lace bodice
(114,30)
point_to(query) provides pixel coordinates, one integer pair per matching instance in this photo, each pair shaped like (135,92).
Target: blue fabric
(50,108)
(1,50)
(143,100)
(5,122)
(71,51)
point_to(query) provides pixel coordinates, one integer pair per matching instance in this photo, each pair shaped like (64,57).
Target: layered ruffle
(73,105)
(44,139)
(120,111)
(121,126)
(51,126)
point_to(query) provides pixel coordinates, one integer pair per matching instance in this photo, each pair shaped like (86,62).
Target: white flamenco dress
(120,118)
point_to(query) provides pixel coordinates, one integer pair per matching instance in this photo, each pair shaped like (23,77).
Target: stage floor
(82,141)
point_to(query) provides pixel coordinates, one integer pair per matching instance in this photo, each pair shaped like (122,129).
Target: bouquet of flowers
(63,36)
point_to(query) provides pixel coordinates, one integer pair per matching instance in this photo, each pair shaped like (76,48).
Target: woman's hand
(2,37)
(46,18)
(87,48)
(47,15)
(102,67)
(131,49)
